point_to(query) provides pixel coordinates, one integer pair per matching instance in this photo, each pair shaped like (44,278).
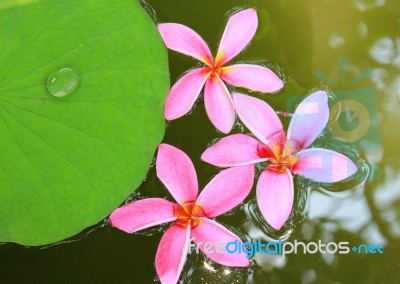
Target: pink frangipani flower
(238,33)
(190,215)
(286,154)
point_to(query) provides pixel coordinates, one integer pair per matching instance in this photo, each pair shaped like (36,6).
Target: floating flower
(191,215)
(239,31)
(286,154)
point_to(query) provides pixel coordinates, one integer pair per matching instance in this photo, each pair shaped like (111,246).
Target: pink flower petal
(253,77)
(324,165)
(259,118)
(238,33)
(275,196)
(171,254)
(211,232)
(177,173)
(185,40)
(142,214)
(233,150)
(219,105)
(226,190)
(184,93)
(309,119)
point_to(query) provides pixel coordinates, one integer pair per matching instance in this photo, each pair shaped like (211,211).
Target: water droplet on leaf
(62,82)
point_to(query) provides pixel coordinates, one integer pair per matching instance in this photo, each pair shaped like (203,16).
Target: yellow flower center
(282,157)
(215,71)
(188,214)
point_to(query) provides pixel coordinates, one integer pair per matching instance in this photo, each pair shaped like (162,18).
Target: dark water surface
(350,47)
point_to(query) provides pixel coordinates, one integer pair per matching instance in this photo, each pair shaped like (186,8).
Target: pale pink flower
(286,154)
(191,215)
(239,31)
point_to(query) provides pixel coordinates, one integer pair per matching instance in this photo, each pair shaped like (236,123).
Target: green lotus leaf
(82,84)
